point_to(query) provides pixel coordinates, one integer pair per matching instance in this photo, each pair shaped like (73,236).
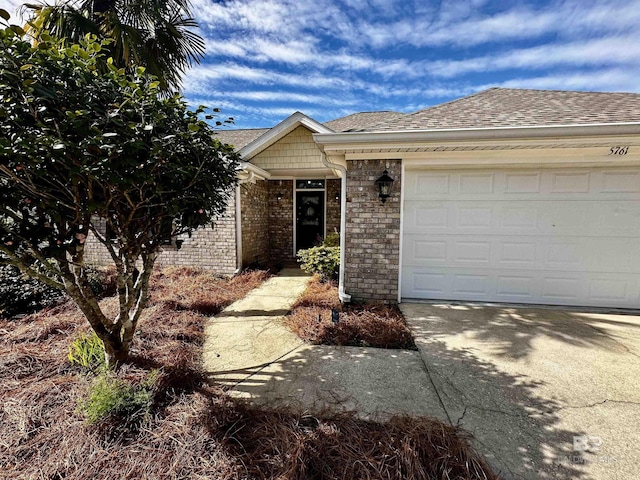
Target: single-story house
(507,195)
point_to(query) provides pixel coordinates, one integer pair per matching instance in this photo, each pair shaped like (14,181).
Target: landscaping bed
(360,325)
(184,427)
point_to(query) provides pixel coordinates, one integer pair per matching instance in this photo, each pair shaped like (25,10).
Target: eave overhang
(248,172)
(476,138)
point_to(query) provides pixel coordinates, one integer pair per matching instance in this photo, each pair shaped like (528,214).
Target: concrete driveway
(547,393)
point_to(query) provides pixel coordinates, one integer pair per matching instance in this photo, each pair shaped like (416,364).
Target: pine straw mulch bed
(359,325)
(195,430)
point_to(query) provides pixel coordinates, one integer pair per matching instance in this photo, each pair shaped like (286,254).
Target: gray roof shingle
(362,120)
(507,107)
(240,137)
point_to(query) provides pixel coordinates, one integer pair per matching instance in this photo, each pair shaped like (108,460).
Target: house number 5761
(618,150)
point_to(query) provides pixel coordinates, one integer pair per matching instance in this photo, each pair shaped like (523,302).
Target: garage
(557,236)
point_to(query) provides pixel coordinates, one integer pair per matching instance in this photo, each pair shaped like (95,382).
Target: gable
(296,150)
(273,135)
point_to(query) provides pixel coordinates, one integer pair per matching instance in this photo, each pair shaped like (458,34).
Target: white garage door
(559,237)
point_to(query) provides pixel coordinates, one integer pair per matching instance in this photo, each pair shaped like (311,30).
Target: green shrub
(102,281)
(332,240)
(324,261)
(20,294)
(111,396)
(87,351)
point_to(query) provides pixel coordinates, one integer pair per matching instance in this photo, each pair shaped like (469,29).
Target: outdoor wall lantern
(279,196)
(384,184)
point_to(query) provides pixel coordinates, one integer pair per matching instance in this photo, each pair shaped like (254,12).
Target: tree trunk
(116,352)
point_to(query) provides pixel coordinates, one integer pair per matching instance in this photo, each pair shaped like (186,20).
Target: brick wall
(333,206)
(210,248)
(295,150)
(372,232)
(255,223)
(281,221)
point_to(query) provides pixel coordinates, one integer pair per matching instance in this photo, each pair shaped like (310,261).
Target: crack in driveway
(596,404)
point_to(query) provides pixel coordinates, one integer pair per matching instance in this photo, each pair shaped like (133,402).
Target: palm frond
(156,34)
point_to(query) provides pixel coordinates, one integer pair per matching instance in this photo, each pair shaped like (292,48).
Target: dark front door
(309,219)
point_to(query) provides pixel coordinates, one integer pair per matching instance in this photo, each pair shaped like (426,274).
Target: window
(306,184)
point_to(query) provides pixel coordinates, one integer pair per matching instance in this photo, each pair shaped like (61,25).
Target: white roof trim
(274,134)
(254,171)
(492,133)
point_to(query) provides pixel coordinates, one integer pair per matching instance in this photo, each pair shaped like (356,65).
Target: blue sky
(268,58)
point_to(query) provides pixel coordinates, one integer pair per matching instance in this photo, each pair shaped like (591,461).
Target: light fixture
(279,196)
(338,195)
(384,184)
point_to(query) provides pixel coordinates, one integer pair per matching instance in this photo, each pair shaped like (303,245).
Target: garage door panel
(559,288)
(524,217)
(515,252)
(524,184)
(619,181)
(569,236)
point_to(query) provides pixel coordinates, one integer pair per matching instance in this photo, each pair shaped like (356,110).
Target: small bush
(102,281)
(87,351)
(20,294)
(111,396)
(332,240)
(325,261)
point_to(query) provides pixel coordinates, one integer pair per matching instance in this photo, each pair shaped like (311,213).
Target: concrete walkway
(526,382)
(254,356)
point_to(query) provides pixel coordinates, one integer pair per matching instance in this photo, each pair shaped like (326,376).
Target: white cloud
(199,77)
(461,23)
(598,52)
(280,96)
(607,80)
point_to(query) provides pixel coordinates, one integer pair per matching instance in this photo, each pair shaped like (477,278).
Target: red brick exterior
(267,231)
(372,232)
(333,206)
(280,232)
(210,248)
(255,222)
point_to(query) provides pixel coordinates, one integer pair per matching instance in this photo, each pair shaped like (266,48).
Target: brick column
(255,224)
(281,222)
(372,232)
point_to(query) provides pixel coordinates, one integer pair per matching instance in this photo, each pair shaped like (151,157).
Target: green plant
(87,351)
(137,161)
(111,396)
(332,240)
(102,281)
(324,261)
(20,294)
(157,35)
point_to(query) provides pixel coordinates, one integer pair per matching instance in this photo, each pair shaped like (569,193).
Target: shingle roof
(240,137)
(506,107)
(362,120)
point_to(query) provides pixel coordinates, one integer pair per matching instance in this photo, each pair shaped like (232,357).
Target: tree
(77,145)
(154,34)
